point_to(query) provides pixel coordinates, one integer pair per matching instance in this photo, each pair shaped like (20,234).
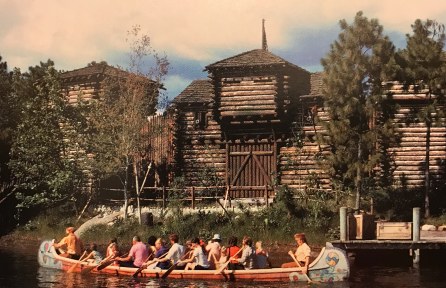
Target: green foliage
(43,172)
(423,66)
(117,121)
(358,62)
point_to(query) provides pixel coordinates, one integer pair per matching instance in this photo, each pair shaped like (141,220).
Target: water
(20,269)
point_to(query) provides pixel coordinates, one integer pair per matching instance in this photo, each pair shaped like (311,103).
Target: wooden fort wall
(409,157)
(199,152)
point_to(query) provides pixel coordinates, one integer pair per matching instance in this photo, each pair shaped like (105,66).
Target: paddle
(108,262)
(90,268)
(298,264)
(73,267)
(142,266)
(171,268)
(227,262)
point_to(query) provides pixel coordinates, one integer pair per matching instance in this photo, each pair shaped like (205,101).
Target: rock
(442,228)
(100,219)
(428,227)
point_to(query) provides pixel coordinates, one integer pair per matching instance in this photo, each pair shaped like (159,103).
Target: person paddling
(71,243)
(175,253)
(302,253)
(137,254)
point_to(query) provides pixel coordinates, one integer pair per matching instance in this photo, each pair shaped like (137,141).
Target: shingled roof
(199,91)
(256,57)
(92,70)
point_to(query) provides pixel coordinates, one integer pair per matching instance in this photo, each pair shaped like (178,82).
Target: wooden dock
(417,242)
(428,240)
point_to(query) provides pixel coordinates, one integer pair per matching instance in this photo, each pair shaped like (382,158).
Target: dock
(415,241)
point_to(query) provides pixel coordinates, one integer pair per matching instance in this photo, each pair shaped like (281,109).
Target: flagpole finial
(264,43)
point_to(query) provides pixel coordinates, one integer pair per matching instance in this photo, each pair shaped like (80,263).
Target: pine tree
(354,69)
(423,65)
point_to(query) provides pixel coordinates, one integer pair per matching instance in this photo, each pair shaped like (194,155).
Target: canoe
(331,265)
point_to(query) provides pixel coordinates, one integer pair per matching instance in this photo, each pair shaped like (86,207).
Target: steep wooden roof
(253,58)
(92,71)
(199,91)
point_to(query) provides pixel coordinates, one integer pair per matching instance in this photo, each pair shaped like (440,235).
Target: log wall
(409,157)
(248,96)
(199,153)
(299,166)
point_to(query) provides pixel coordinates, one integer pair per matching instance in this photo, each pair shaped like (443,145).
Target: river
(20,269)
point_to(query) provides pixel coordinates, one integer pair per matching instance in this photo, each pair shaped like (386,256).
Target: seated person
(302,253)
(175,253)
(71,243)
(137,255)
(248,260)
(161,251)
(262,256)
(94,256)
(198,260)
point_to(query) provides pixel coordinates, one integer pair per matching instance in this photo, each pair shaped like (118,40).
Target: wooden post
(416,224)
(266,195)
(343,223)
(164,197)
(415,234)
(193,197)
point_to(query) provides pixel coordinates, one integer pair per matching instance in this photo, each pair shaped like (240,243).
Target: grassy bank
(269,225)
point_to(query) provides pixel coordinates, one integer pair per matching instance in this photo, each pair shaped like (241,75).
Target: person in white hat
(214,250)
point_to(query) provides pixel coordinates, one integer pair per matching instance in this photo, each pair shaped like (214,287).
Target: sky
(191,33)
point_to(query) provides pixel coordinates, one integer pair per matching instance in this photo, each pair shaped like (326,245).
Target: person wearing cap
(71,243)
(137,254)
(213,248)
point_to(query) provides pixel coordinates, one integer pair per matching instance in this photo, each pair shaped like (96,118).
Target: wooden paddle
(109,262)
(90,268)
(171,268)
(222,267)
(298,264)
(142,266)
(74,266)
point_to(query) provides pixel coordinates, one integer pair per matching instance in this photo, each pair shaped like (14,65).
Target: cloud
(192,33)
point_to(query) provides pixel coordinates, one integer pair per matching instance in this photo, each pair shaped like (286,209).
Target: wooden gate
(251,168)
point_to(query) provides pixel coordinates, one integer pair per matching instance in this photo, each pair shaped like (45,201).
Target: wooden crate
(365,226)
(393,230)
(351,227)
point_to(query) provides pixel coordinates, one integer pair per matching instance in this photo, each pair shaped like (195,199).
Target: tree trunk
(427,184)
(358,179)
(126,181)
(135,172)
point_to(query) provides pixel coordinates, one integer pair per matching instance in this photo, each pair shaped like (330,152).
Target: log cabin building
(253,124)
(250,127)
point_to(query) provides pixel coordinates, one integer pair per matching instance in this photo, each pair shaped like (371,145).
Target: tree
(43,172)
(423,65)
(119,118)
(354,69)
(7,125)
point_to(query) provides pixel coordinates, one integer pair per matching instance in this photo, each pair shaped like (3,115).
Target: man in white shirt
(175,253)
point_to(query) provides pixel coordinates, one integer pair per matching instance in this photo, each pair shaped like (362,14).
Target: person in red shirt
(233,253)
